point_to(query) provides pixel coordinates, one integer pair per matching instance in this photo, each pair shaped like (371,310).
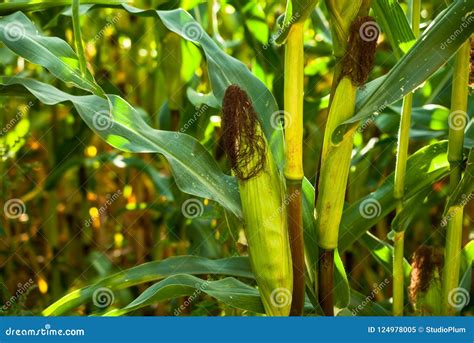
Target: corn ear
(425,286)
(267,237)
(262,196)
(335,163)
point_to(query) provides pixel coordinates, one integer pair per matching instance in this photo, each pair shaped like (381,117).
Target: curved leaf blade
(230,291)
(425,167)
(20,35)
(152,271)
(194,169)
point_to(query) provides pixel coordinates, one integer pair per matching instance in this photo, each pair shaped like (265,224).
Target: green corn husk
(267,237)
(262,196)
(425,286)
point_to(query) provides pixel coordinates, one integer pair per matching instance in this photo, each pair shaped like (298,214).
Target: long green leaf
(425,167)
(194,170)
(229,291)
(393,22)
(20,35)
(382,252)
(463,193)
(224,70)
(35,5)
(152,271)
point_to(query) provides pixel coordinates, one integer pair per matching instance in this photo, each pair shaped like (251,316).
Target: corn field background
(236,158)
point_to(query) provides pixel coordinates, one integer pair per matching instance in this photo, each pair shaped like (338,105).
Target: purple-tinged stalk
(336,158)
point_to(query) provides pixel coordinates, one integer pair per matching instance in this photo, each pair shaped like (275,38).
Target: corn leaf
(35,5)
(224,70)
(393,22)
(230,291)
(194,170)
(463,193)
(153,271)
(20,35)
(382,252)
(425,167)
(297,11)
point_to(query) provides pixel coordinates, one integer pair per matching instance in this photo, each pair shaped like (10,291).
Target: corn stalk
(457,125)
(336,158)
(399,186)
(294,82)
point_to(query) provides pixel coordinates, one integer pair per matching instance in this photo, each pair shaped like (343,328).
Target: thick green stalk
(294,90)
(455,153)
(399,186)
(210,17)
